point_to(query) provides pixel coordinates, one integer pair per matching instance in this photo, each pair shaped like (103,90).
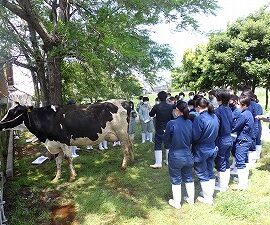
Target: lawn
(103,194)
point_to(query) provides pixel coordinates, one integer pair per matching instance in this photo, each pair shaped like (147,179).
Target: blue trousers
(159,140)
(204,164)
(224,145)
(241,153)
(180,167)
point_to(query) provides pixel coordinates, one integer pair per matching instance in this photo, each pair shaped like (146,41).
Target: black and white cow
(59,127)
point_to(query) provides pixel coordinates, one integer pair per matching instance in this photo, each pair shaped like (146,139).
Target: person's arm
(169,131)
(238,124)
(153,111)
(197,130)
(264,118)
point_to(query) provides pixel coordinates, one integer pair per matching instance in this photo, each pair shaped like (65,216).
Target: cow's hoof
(55,180)
(122,168)
(71,179)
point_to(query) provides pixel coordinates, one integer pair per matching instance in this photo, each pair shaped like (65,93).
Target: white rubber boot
(167,156)
(147,136)
(143,137)
(233,163)
(258,151)
(100,146)
(176,200)
(223,182)
(73,151)
(208,188)
(190,192)
(131,136)
(158,158)
(90,147)
(151,137)
(234,171)
(243,178)
(252,156)
(105,144)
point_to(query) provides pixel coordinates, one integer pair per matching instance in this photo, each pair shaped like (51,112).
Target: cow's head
(14,116)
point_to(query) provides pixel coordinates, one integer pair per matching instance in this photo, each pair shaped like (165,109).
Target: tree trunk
(266,97)
(44,92)
(55,79)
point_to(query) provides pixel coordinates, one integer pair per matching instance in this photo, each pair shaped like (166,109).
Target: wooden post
(9,167)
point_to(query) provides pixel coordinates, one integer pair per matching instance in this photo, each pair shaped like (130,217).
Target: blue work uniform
(224,141)
(205,131)
(259,111)
(253,108)
(178,135)
(163,112)
(244,128)
(235,114)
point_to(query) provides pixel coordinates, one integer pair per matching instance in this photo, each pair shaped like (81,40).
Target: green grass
(103,194)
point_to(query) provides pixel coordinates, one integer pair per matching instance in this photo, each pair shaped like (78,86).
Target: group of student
(201,135)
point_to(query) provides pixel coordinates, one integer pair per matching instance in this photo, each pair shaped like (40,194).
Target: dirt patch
(63,215)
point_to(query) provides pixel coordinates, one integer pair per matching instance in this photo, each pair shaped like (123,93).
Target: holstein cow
(59,127)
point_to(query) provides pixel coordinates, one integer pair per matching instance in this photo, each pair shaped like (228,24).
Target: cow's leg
(131,151)
(72,170)
(58,161)
(125,149)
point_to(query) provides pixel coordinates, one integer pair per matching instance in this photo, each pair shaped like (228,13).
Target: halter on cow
(59,127)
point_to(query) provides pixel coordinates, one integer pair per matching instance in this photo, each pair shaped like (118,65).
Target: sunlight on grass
(103,194)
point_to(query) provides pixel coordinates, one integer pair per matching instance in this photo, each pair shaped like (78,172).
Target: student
(255,110)
(259,134)
(244,128)
(213,99)
(132,122)
(224,141)
(191,95)
(181,96)
(178,135)
(163,113)
(236,112)
(147,121)
(73,149)
(205,131)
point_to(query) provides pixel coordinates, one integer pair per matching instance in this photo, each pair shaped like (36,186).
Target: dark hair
(191,102)
(234,98)
(204,103)
(172,98)
(71,102)
(176,97)
(244,100)
(182,106)
(168,94)
(145,99)
(182,93)
(162,95)
(197,96)
(191,93)
(131,104)
(223,96)
(212,92)
(140,97)
(249,94)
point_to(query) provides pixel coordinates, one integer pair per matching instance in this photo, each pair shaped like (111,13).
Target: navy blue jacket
(244,126)
(225,117)
(205,132)
(178,134)
(163,112)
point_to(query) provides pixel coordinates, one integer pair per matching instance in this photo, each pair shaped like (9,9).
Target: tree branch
(25,11)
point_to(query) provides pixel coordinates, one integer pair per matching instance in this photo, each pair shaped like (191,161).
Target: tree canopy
(100,41)
(237,57)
